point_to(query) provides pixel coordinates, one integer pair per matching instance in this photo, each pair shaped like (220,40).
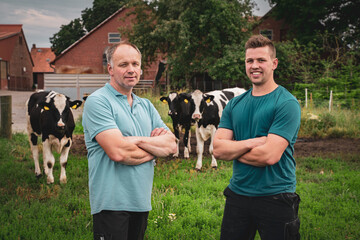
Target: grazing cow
(180,120)
(49,115)
(206,111)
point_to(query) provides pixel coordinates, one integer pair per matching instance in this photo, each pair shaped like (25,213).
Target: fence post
(306,100)
(5,116)
(331,100)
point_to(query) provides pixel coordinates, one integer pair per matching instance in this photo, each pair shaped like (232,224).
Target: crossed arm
(136,150)
(258,152)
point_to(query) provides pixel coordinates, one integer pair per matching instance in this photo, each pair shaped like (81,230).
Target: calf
(181,119)
(49,115)
(206,110)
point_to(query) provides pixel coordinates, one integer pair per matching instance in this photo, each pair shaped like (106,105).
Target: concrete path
(18,101)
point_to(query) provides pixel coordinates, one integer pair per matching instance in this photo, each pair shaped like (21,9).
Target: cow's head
(56,107)
(186,105)
(200,101)
(173,101)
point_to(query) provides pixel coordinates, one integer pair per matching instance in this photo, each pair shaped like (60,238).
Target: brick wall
(87,55)
(20,70)
(277,28)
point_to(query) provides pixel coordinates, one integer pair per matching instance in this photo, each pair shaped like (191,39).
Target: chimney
(34,45)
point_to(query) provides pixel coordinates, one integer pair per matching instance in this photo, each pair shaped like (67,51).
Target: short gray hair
(112,49)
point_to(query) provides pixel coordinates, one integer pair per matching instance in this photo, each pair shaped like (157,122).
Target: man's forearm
(160,146)
(231,149)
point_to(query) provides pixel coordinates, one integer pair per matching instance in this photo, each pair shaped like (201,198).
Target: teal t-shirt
(248,117)
(112,185)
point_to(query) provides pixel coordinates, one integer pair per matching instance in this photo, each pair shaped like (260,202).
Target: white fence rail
(76,86)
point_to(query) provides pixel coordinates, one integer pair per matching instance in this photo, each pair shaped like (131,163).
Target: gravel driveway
(18,101)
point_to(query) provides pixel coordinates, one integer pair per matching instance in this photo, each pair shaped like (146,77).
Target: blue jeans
(275,217)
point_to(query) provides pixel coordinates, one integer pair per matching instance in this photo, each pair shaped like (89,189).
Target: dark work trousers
(275,217)
(120,225)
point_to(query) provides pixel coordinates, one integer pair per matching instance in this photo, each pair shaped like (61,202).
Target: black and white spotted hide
(181,120)
(49,116)
(206,110)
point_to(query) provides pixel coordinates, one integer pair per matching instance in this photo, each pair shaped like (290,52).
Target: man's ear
(109,68)
(275,63)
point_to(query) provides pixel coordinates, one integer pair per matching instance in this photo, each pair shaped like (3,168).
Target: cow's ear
(44,106)
(163,99)
(75,104)
(208,98)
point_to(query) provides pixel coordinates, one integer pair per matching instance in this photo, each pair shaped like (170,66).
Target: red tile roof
(42,58)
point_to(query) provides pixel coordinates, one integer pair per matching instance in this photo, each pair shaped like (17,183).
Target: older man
(123,135)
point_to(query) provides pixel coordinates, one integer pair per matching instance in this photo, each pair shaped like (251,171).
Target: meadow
(186,204)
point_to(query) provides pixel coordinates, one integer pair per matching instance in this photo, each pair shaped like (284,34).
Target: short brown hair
(112,49)
(257,41)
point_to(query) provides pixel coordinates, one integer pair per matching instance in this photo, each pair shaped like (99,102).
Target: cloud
(40,18)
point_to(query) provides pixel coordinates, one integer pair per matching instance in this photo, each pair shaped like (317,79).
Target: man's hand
(158,132)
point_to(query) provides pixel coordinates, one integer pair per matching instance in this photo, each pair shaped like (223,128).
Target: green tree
(100,10)
(195,36)
(306,18)
(67,35)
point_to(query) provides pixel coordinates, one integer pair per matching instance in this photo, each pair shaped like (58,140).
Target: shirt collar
(116,93)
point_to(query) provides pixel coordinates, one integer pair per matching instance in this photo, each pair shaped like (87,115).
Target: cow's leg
(63,161)
(186,143)
(189,141)
(199,149)
(211,147)
(176,132)
(33,139)
(49,161)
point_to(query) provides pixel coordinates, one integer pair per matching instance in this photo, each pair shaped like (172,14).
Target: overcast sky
(41,19)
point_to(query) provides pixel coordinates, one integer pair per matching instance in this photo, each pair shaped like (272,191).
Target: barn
(41,58)
(16,64)
(87,55)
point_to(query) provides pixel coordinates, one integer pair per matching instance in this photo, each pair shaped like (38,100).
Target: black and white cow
(207,109)
(49,115)
(181,119)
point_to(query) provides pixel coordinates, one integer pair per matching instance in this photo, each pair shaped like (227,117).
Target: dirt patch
(304,147)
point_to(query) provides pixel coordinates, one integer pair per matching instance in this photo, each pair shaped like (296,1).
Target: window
(114,37)
(267,33)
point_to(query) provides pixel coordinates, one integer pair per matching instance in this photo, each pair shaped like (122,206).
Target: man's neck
(124,91)
(261,90)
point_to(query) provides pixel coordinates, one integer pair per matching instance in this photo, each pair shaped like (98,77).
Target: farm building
(16,65)
(87,55)
(275,30)
(41,58)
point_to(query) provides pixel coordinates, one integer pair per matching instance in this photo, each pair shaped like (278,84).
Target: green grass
(186,204)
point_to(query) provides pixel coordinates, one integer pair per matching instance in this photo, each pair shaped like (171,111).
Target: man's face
(259,65)
(126,67)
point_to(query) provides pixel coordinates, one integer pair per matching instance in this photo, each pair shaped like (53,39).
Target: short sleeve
(157,122)
(287,120)
(97,116)
(225,121)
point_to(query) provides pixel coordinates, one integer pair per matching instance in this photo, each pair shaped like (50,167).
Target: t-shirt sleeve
(225,121)
(97,116)
(287,120)
(157,122)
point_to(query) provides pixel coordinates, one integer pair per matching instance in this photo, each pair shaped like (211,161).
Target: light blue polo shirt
(112,185)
